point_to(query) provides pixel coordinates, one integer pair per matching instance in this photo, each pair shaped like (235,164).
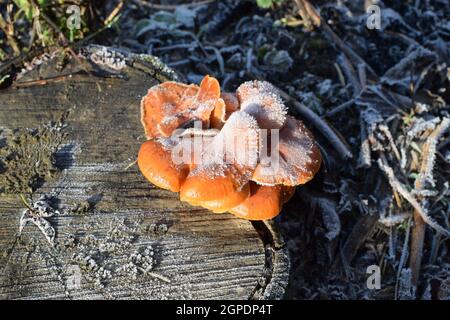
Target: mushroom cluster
(239,153)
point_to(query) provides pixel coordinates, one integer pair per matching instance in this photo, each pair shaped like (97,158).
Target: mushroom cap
(267,109)
(251,88)
(228,163)
(299,157)
(209,183)
(222,112)
(191,144)
(237,142)
(219,164)
(231,102)
(226,203)
(264,202)
(261,100)
(155,163)
(172,105)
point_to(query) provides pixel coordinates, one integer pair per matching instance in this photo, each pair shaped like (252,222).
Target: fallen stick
(156,6)
(340,108)
(426,173)
(397,186)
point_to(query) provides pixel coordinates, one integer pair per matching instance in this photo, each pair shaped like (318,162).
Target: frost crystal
(268,109)
(109,58)
(252,88)
(40,210)
(260,99)
(238,141)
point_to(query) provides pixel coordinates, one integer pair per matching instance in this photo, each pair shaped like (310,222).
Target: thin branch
(417,240)
(9,35)
(397,186)
(113,13)
(403,257)
(340,108)
(384,128)
(426,174)
(171,6)
(43,81)
(429,154)
(365,156)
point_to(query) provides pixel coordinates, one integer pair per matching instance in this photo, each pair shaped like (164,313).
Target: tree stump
(70,132)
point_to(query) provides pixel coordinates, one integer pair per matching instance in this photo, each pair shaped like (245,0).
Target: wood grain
(111,221)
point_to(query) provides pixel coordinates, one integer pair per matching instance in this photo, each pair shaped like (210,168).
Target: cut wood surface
(70,132)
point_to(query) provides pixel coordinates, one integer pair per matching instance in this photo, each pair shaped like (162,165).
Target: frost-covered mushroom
(223,111)
(164,109)
(260,100)
(172,105)
(264,202)
(220,181)
(230,172)
(299,157)
(156,164)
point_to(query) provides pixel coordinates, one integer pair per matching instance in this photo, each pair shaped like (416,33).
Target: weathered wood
(117,236)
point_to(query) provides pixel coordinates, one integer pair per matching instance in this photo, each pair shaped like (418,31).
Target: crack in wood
(271,248)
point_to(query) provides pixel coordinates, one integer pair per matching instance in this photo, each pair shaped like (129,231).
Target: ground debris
(36,214)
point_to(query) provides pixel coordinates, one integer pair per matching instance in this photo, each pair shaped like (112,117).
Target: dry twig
(397,186)
(426,174)
(8,29)
(171,6)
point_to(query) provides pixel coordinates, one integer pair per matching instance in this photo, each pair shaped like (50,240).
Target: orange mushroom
(231,103)
(260,100)
(222,112)
(263,203)
(229,173)
(228,202)
(165,108)
(299,157)
(171,105)
(218,197)
(155,163)
(220,180)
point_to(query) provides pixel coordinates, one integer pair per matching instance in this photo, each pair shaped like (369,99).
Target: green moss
(27,157)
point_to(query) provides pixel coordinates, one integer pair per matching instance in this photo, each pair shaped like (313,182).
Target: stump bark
(70,133)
